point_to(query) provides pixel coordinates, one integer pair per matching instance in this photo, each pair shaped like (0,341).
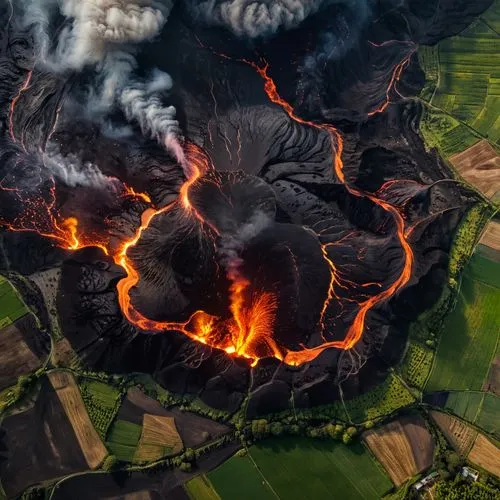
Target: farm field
(484,269)
(417,365)
(491,237)
(11,305)
(102,402)
(485,454)
(479,165)
(404,447)
(460,435)
(200,488)
(382,400)
(123,439)
(465,404)
(23,348)
(463,90)
(488,416)
(192,429)
(300,468)
(159,437)
(46,432)
(469,336)
(240,478)
(68,393)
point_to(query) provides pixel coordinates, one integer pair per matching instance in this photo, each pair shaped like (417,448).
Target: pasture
(488,416)
(123,439)
(465,404)
(463,87)
(404,447)
(200,488)
(102,402)
(11,305)
(297,468)
(381,400)
(417,365)
(469,338)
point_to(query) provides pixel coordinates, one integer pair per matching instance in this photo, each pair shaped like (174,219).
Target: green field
(465,404)
(298,468)
(463,86)
(200,488)
(417,365)
(11,305)
(488,418)
(123,439)
(102,402)
(382,400)
(470,333)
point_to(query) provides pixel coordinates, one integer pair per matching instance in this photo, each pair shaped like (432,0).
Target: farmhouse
(469,473)
(426,481)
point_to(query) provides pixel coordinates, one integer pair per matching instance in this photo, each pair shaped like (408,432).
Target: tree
(369,424)
(346,438)
(189,455)
(260,428)
(110,462)
(242,453)
(453,460)
(352,431)
(185,467)
(276,428)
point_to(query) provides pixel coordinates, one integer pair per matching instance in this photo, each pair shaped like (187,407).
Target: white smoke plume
(73,172)
(232,244)
(104,34)
(253,19)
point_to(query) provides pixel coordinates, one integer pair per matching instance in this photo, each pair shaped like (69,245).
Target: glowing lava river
(248,332)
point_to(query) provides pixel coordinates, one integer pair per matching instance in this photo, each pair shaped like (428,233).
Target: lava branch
(355,331)
(395,77)
(25,86)
(248,332)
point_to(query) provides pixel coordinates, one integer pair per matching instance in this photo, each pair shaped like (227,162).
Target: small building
(426,481)
(469,473)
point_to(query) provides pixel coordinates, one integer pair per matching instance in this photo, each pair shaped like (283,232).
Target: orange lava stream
(23,88)
(248,331)
(395,77)
(356,329)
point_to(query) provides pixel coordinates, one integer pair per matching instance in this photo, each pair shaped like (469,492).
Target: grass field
(466,405)
(470,332)
(102,402)
(11,305)
(68,393)
(463,87)
(382,400)
(200,488)
(123,439)
(298,468)
(488,418)
(417,365)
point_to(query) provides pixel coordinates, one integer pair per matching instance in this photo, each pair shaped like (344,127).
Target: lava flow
(355,331)
(248,331)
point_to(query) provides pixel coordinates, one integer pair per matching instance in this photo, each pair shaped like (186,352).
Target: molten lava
(248,331)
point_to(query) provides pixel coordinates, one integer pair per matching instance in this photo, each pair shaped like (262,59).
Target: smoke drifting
(72,172)
(248,18)
(103,35)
